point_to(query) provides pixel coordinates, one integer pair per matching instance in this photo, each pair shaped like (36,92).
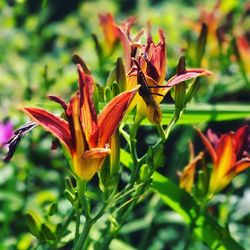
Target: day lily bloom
(230,156)
(146,65)
(85,134)
(109,30)
(243,46)
(6,131)
(187,176)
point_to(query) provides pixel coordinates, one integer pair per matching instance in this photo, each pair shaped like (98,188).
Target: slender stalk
(82,240)
(77,222)
(64,227)
(134,156)
(122,214)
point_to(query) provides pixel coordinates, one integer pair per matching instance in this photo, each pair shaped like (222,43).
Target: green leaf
(201,113)
(205,227)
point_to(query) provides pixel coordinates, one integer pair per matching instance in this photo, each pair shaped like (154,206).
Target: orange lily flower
(187,176)
(146,65)
(230,156)
(84,134)
(109,30)
(243,46)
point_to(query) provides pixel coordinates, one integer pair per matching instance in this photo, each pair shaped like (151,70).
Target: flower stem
(82,240)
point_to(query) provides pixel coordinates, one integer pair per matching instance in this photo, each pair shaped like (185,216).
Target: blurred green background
(37,40)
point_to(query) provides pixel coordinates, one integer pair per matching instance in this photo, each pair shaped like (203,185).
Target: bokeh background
(37,41)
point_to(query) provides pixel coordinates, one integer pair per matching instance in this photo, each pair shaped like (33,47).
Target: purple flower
(6,131)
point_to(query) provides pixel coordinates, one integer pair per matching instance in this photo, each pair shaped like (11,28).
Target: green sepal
(192,90)
(155,157)
(98,47)
(120,74)
(115,89)
(115,153)
(52,209)
(158,156)
(111,77)
(180,89)
(108,94)
(47,232)
(68,184)
(104,175)
(70,197)
(33,223)
(202,41)
(144,172)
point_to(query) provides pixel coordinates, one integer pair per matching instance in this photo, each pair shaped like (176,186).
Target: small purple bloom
(6,131)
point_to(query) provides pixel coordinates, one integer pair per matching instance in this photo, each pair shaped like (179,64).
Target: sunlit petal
(112,114)
(187,75)
(209,146)
(54,124)
(88,113)
(241,138)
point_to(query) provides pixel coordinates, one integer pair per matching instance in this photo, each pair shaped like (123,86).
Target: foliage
(135,200)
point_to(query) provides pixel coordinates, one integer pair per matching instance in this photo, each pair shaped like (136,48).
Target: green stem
(161,132)
(64,227)
(77,223)
(82,240)
(82,188)
(125,210)
(134,156)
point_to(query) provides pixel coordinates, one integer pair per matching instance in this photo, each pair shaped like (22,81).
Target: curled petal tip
(136,88)
(79,68)
(207,73)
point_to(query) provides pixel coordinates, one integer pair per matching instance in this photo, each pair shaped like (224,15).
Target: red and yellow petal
(188,174)
(226,159)
(73,113)
(112,114)
(240,138)
(209,146)
(187,75)
(88,114)
(54,124)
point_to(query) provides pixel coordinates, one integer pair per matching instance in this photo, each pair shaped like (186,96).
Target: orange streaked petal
(88,113)
(54,124)
(219,181)
(73,113)
(187,75)
(241,165)
(126,46)
(112,114)
(226,155)
(109,28)
(209,146)
(188,174)
(157,55)
(96,153)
